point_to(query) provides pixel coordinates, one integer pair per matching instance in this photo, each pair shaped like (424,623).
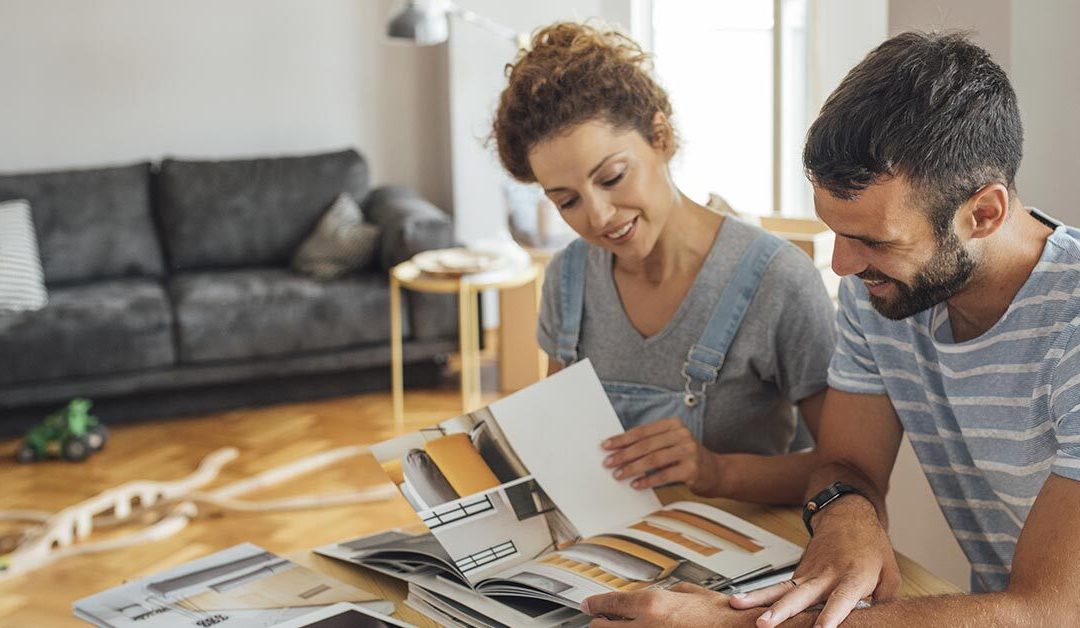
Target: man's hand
(668,449)
(682,605)
(849,558)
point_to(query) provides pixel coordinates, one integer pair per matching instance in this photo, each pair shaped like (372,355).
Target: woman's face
(611,186)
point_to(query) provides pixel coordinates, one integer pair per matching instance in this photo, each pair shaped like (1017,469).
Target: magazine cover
(239,587)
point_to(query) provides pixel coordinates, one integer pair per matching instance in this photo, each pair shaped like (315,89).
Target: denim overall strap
(571,300)
(706,358)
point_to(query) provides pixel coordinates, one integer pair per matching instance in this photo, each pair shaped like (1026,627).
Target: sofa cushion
(114,326)
(252,212)
(91,224)
(245,314)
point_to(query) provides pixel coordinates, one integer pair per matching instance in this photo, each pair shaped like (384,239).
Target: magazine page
(243,585)
(681,542)
(474,494)
(395,552)
(343,615)
(556,427)
(509,610)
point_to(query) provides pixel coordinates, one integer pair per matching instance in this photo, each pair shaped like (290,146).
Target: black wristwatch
(831,493)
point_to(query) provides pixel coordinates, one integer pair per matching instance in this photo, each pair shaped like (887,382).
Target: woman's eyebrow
(591,173)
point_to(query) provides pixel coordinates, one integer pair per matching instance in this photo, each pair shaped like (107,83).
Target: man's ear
(985,211)
(663,135)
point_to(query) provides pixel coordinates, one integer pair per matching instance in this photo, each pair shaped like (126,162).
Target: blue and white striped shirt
(989,418)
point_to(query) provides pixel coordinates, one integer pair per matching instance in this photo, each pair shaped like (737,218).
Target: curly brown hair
(572,74)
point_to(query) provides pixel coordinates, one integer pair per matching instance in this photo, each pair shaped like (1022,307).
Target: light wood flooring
(266,438)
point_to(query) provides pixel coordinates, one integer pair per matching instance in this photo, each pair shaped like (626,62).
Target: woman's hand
(668,450)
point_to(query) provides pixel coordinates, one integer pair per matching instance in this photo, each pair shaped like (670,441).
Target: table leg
(469,347)
(397,383)
(521,362)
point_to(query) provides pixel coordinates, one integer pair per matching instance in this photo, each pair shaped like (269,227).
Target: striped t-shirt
(989,418)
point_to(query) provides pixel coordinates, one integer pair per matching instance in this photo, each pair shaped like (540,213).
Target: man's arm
(1041,592)
(850,556)
(1042,586)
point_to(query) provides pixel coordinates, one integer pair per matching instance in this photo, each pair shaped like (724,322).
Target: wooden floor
(266,438)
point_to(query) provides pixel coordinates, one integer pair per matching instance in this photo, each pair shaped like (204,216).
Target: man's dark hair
(931,107)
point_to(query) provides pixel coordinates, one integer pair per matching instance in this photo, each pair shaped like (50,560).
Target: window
(736,71)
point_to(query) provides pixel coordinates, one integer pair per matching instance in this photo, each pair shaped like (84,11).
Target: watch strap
(827,496)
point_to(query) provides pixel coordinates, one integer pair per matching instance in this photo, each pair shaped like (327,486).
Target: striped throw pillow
(22,282)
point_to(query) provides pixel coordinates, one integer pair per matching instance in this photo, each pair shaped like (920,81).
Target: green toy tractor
(72,433)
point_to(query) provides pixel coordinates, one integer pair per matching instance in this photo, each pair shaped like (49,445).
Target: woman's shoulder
(790,271)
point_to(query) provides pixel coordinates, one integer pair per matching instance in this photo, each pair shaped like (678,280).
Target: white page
(556,426)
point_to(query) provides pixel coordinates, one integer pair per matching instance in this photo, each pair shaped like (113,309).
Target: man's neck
(1006,266)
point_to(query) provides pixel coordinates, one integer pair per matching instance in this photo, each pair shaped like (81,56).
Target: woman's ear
(663,135)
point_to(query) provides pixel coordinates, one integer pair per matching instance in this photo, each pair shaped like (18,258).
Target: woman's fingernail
(585,607)
(606,443)
(610,460)
(739,596)
(619,474)
(636,484)
(767,615)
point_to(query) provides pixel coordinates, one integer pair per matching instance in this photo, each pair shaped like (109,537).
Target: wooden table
(524,282)
(782,521)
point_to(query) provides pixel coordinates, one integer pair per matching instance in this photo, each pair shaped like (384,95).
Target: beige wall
(109,81)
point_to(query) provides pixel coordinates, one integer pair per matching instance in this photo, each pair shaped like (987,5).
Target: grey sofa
(170,292)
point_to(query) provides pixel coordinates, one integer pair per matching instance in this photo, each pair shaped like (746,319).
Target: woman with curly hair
(707,333)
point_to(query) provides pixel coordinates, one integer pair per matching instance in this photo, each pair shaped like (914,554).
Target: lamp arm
(485,23)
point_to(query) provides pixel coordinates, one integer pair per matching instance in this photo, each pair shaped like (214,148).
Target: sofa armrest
(409,224)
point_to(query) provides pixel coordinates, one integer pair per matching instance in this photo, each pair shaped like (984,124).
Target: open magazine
(243,586)
(524,521)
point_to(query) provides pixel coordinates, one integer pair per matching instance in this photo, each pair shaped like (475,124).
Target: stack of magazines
(242,586)
(524,522)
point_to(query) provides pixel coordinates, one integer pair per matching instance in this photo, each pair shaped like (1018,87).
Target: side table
(467,287)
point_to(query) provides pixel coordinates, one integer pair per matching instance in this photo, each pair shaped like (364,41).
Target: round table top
(410,276)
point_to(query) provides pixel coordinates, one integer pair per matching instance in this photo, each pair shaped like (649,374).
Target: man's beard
(947,272)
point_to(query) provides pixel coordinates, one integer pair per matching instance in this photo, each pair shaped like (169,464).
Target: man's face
(889,243)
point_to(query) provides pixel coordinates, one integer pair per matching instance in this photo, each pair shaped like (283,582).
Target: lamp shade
(419,25)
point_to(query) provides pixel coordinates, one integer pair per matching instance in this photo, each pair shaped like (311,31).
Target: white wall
(1045,59)
(477,62)
(87,83)
(843,32)
(987,21)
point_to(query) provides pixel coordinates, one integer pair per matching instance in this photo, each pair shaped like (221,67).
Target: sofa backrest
(90,224)
(250,212)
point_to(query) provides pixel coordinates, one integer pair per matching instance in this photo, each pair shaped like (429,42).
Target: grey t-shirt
(779,356)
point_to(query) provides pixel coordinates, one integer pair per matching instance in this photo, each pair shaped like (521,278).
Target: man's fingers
(889,585)
(688,587)
(761,597)
(840,603)
(609,605)
(794,602)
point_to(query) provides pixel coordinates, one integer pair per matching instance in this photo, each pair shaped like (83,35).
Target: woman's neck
(682,245)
